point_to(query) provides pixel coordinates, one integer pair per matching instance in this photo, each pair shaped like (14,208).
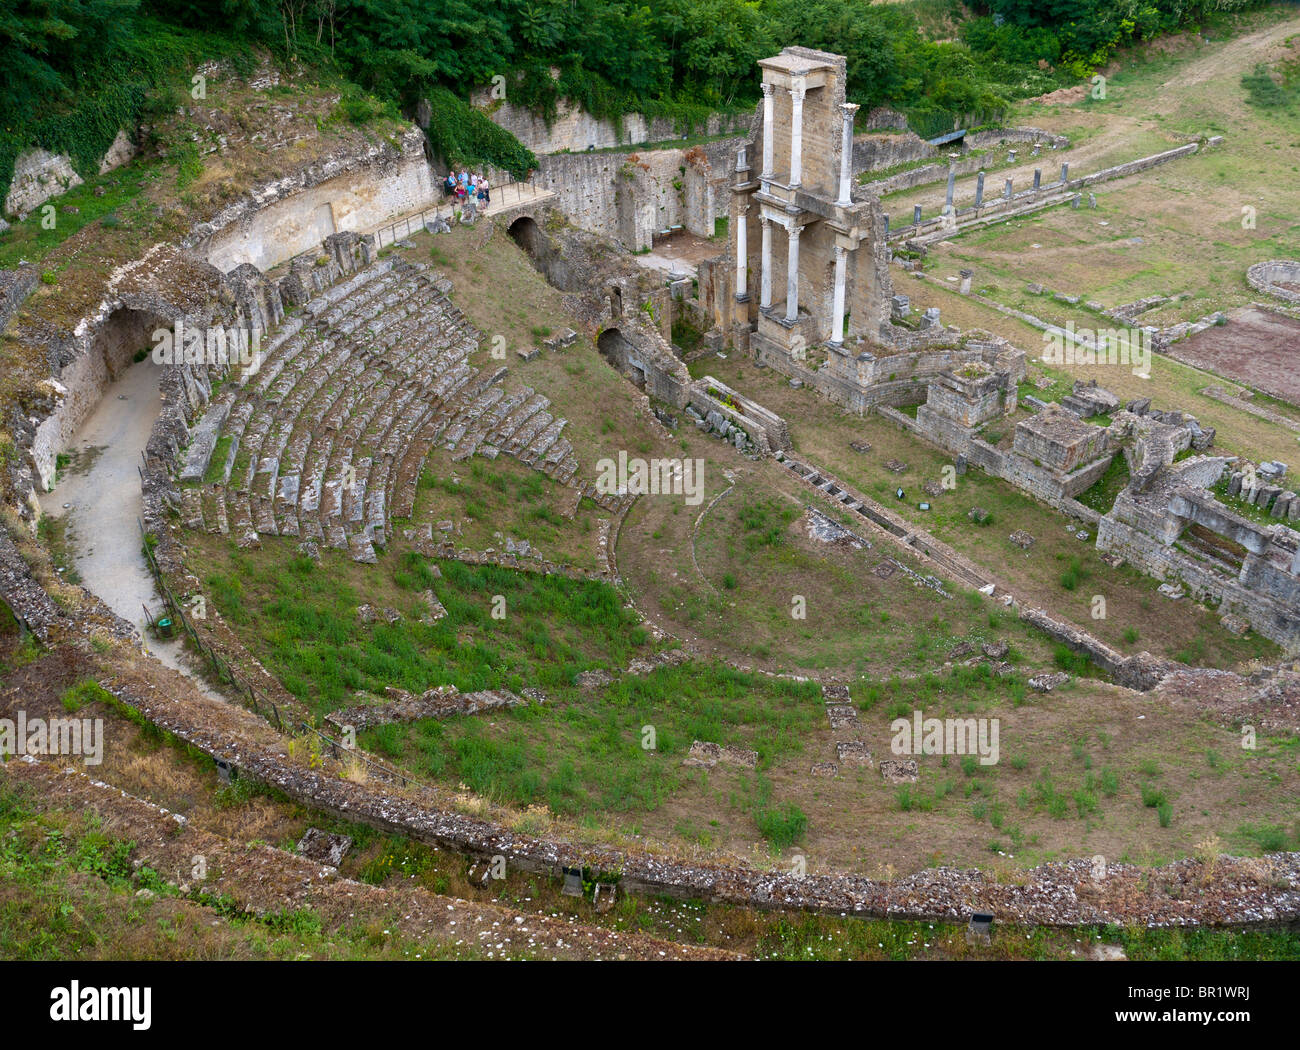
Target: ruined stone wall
(104,349)
(574,130)
(870,283)
(15,287)
(765,427)
(1267,276)
(355,192)
(877,152)
(631,195)
(1265,612)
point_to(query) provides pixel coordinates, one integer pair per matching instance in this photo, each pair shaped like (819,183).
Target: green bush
(782,826)
(465,137)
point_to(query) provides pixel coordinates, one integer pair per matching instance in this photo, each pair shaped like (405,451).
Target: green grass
(303,615)
(30,239)
(87,691)
(217,464)
(1100,496)
(580,754)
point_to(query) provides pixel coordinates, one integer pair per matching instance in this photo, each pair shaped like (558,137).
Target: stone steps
(351,396)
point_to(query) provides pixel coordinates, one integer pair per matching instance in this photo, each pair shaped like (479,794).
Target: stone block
(323,847)
(707,755)
(853,753)
(1234,625)
(893,771)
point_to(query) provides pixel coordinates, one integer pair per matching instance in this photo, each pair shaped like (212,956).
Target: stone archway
(525,233)
(615,348)
(109,351)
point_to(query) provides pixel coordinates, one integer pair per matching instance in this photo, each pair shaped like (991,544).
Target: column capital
(793,231)
(798,88)
(849,108)
(767,88)
(743,208)
(765,221)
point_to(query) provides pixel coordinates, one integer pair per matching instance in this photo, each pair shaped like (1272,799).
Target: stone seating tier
(329,436)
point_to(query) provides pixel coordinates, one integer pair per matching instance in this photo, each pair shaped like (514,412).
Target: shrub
(782,826)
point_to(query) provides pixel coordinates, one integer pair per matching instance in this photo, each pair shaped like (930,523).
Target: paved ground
(103,502)
(680,253)
(503,199)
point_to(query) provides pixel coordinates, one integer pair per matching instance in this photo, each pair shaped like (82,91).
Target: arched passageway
(615,348)
(523,231)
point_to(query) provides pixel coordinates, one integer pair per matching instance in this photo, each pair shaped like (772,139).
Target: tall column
(797,89)
(767,130)
(837,302)
(742,253)
(846,155)
(765,280)
(792,274)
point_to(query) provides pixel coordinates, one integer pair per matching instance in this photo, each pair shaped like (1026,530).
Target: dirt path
(1236,56)
(1107,147)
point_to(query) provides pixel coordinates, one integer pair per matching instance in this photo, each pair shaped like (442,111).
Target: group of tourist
(468,187)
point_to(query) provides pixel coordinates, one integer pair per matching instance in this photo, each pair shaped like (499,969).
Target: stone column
(767,130)
(916,215)
(742,254)
(765,280)
(1038,177)
(846,155)
(952,185)
(1006,190)
(979,189)
(797,90)
(792,274)
(837,302)
(1065,172)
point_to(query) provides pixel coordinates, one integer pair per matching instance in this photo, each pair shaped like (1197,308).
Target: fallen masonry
(707,755)
(439,702)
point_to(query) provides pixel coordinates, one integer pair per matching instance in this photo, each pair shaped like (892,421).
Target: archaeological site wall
(574,130)
(1165,524)
(630,196)
(353,192)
